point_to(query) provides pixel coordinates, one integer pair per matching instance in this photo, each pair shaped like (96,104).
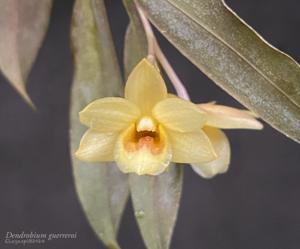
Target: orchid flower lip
(145,136)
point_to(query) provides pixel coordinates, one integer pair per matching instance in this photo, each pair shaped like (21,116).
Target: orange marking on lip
(147,142)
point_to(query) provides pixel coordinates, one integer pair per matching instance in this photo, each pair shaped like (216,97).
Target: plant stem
(154,51)
(148,30)
(178,85)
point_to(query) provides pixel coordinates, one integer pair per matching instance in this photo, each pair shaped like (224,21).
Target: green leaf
(102,188)
(233,55)
(155,198)
(156,201)
(23,25)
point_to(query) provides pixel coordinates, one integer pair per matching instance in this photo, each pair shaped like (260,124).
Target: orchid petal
(191,147)
(96,146)
(222,148)
(109,114)
(145,86)
(225,117)
(179,115)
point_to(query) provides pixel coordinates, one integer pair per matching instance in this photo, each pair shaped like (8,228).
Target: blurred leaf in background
(23,25)
(102,188)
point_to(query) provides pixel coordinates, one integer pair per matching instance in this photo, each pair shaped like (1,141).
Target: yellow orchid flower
(149,128)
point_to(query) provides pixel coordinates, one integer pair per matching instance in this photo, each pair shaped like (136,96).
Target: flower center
(145,136)
(146,124)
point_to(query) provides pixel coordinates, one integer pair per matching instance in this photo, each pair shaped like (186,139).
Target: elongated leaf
(155,199)
(102,188)
(23,25)
(156,202)
(209,34)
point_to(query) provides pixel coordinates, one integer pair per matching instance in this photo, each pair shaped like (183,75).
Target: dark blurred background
(255,205)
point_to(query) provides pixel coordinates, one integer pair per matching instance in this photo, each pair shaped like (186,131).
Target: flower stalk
(155,52)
